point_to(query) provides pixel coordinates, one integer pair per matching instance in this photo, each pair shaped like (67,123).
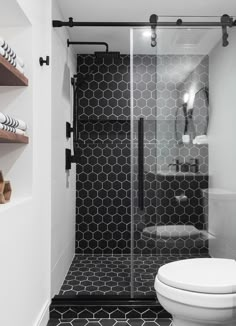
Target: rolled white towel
(7,48)
(12,122)
(10,129)
(10,59)
(10,52)
(7,56)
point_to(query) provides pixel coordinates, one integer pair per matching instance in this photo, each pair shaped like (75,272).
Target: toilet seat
(198,291)
(202,275)
(196,299)
(200,282)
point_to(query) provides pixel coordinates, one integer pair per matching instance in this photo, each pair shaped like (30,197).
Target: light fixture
(186,139)
(147,33)
(186,98)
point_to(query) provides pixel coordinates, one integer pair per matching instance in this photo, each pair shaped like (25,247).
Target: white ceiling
(136,10)
(11,14)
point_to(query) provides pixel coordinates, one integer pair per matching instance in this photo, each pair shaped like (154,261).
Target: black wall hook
(42,61)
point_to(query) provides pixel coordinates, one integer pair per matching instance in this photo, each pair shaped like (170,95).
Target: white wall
(25,233)
(63,183)
(38,225)
(222,149)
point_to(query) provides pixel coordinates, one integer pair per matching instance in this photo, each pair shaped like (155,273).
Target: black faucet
(194,167)
(176,164)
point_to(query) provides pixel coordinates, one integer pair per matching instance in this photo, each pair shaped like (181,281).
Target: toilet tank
(221,218)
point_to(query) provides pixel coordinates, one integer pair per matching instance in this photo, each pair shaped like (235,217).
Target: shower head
(107,55)
(99,54)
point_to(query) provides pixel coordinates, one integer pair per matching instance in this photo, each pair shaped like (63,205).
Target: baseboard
(61,268)
(44,315)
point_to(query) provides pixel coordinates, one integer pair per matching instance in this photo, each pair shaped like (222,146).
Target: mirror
(200,111)
(193,122)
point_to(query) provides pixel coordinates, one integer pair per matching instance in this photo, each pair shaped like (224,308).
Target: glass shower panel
(143,161)
(169,154)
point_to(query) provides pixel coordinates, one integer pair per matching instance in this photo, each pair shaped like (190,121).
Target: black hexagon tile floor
(111,274)
(110,322)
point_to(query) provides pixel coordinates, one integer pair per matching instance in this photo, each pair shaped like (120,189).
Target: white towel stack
(13,125)
(7,52)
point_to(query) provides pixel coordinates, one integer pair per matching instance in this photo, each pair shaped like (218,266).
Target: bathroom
(122,209)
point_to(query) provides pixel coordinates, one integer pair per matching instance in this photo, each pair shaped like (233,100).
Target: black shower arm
(87,43)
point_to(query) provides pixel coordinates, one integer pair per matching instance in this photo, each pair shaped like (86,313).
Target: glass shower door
(143,162)
(169,154)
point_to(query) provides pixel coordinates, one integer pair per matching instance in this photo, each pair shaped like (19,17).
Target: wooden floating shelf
(10,76)
(10,137)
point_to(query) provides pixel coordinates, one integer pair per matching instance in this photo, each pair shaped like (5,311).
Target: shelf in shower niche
(10,76)
(10,137)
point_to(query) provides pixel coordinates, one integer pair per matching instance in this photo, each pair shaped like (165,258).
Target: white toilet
(198,292)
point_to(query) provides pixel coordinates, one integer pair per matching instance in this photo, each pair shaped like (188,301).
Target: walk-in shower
(142,156)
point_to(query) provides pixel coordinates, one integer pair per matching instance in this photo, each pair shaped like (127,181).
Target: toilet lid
(204,275)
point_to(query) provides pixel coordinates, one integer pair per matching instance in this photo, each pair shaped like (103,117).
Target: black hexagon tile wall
(103,203)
